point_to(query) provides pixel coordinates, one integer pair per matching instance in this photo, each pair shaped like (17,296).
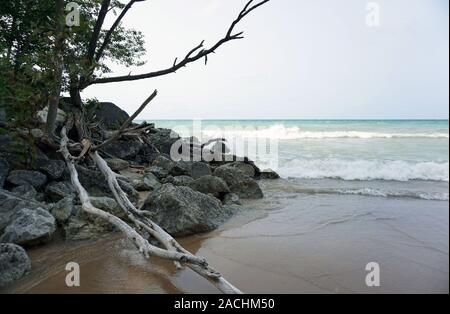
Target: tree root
(172,249)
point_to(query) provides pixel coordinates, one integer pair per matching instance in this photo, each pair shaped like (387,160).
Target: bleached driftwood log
(172,249)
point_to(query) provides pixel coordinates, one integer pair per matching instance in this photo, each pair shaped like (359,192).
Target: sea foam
(365,170)
(281,132)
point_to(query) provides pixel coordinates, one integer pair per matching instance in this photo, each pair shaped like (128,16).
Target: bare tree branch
(192,55)
(96,32)
(125,125)
(109,34)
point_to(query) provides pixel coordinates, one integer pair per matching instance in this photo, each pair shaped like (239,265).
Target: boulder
(231,199)
(96,184)
(109,205)
(133,150)
(27,177)
(182,211)
(117,164)
(159,172)
(179,181)
(110,115)
(60,117)
(83,226)
(63,209)
(56,191)
(163,139)
(239,182)
(78,229)
(246,168)
(200,169)
(30,227)
(11,203)
(269,174)
(25,191)
(4,171)
(14,263)
(21,153)
(175,168)
(148,182)
(54,169)
(210,185)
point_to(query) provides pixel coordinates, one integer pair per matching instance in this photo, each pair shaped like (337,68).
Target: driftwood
(140,227)
(143,225)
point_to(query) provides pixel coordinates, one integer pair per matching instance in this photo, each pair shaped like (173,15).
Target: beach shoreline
(286,243)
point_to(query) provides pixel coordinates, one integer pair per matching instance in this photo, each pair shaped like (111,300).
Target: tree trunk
(57,70)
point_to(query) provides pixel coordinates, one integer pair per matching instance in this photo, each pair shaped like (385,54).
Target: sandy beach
(290,242)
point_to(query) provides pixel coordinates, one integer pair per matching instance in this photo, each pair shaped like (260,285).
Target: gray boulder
(108,205)
(21,153)
(25,191)
(14,263)
(231,199)
(110,115)
(179,168)
(96,184)
(117,164)
(56,191)
(63,209)
(211,185)
(239,182)
(82,226)
(30,227)
(148,182)
(163,139)
(78,229)
(200,169)
(11,203)
(27,177)
(182,211)
(159,172)
(179,181)
(133,150)
(4,170)
(269,174)
(246,168)
(54,169)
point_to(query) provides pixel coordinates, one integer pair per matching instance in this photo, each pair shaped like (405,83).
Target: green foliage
(22,94)
(27,39)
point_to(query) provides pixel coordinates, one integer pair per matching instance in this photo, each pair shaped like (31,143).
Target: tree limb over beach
(197,53)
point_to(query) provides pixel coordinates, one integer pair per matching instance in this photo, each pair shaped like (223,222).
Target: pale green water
(401,150)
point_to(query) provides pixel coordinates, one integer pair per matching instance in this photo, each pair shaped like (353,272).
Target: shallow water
(293,241)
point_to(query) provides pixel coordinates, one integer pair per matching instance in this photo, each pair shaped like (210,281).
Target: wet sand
(290,242)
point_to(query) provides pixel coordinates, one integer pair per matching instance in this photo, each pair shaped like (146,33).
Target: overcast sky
(301,59)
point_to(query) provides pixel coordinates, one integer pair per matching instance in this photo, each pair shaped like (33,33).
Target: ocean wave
(282,132)
(430,196)
(436,196)
(366,170)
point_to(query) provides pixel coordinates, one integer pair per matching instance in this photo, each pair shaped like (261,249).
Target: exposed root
(172,249)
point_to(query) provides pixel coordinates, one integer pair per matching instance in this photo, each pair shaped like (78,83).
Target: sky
(300,59)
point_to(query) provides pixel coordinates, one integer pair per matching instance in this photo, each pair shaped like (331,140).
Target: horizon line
(290,119)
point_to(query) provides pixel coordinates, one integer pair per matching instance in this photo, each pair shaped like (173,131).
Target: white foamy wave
(380,193)
(282,132)
(365,170)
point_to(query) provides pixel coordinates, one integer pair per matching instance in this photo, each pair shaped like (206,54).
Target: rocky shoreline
(185,197)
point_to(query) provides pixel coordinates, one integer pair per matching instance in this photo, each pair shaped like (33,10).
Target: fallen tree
(143,225)
(77,142)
